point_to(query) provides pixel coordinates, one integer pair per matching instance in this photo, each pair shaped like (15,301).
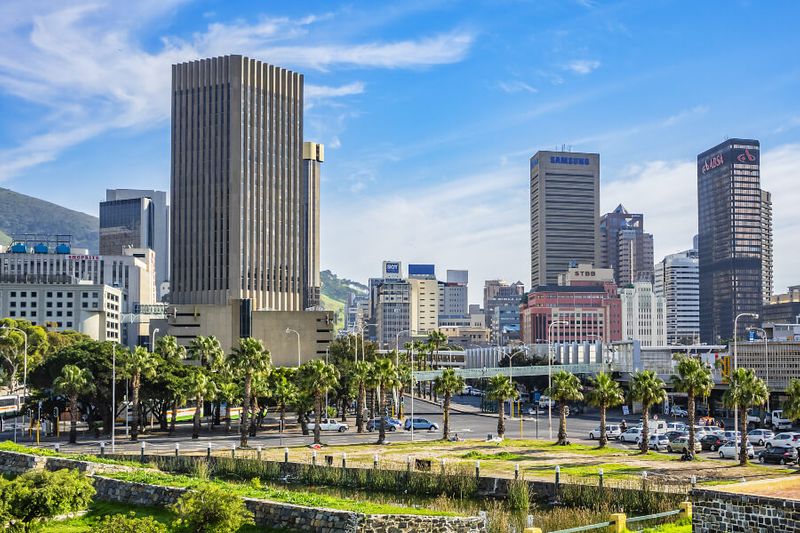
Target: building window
(60,294)
(22,313)
(69,324)
(24,294)
(33,294)
(58,313)
(69,313)
(13,304)
(33,304)
(13,294)
(69,295)
(94,305)
(59,304)
(49,294)
(49,304)
(85,294)
(33,313)
(85,305)
(13,313)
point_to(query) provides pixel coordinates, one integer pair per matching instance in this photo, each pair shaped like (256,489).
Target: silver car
(613,431)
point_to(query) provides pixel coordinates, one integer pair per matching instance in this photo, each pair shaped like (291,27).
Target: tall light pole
(550,373)
(114,397)
(363,352)
(735,361)
(412,392)
(24,374)
(290,330)
(153,340)
(766,359)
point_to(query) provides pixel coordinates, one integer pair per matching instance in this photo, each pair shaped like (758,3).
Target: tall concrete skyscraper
(766,245)
(625,247)
(565,207)
(676,280)
(237,184)
(131,218)
(731,237)
(313,156)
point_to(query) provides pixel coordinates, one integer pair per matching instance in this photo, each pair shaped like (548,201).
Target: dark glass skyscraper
(731,250)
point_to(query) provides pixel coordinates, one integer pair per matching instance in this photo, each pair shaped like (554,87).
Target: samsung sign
(563,160)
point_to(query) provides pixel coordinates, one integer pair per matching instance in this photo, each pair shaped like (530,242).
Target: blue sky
(429,110)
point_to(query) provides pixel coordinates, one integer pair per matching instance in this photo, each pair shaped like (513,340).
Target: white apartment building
(424,309)
(643,314)
(85,307)
(677,280)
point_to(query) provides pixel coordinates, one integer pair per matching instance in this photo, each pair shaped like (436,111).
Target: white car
(612,432)
(759,437)
(329,424)
(730,450)
(787,438)
(658,442)
(677,410)
(544,400)
(677,426)
(633,435)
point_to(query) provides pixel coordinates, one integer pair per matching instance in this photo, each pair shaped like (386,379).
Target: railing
(620,522)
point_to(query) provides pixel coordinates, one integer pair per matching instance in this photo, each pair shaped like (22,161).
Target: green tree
(566,387)
(284,390)
(211,509)
(12,348)
(648,388)
(791,408)
(201,388)
(138,364)
(447,384)
(316,378)
(745,390)
(384,378)
(695,380)
(405,377)
(361,377)
(605,393)
(248,357)
(228,392)
(73,382)
(207,351)
(501,389)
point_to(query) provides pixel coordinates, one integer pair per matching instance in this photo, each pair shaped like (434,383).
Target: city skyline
(585,78)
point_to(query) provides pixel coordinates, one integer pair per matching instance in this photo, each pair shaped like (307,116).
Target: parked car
(730,450)
(657,442)
(677,410)
(730,435)
(760,437)
(544,400)
(672,435)
(421,423)
(676,426)
(329,424)
(785,438)
(392,424)
(631,435)
(778,454)
(612,432)
(681,444)
(711,442)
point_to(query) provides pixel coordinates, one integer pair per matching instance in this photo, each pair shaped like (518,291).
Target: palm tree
(404,376)
(648,388)
(73,382)
(435,341)
(199,386)
(566,387)
(248,357)
(605,393)
(791,407)
(745,391)
(695,380)
(447,384)
(283,389)
(228,392)
(316,378)
(138,364)
(501,389)
(361,377)
(384,377)
(207,350)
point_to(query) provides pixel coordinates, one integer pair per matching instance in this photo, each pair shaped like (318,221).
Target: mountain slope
(336,293)
(20,213)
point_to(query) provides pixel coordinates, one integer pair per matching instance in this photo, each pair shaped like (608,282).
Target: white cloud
(84,64)
(583,66)
(515,86)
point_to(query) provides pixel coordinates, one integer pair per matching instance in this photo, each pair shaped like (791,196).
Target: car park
(785,438)
(421,423)
(730,450)
(676,426)
(633,435)
(759,437)
(672,435)
(612,432)
(730,435)
(778,454)
(392,424)
(711,442)
(681,444)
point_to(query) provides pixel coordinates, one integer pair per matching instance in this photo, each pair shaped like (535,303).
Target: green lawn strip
(684,525)
(295,497)
(610,470)
(8,446)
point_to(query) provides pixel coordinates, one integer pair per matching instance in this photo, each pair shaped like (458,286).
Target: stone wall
(19,463)
(725,512)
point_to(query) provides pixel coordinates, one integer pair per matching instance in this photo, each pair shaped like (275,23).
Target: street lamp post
(550,373)
(766,359)
(397,364)
(114,397)
(511,357)
(24,375)
(290,330)
(153,340)
(735,361)
(412,392)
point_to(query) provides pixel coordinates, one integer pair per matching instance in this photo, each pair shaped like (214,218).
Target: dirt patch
(786,488)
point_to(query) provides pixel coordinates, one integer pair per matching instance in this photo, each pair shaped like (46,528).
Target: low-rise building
(782,308)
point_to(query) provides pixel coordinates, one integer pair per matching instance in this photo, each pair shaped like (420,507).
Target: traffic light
(726,367)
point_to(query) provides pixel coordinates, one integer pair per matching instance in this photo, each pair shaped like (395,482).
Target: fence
(619,522)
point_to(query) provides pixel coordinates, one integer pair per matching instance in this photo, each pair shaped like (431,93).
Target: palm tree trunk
(362,406)
(400,394)
(227,417)
(243,419)
(743,446)
(198,412)
(645,428)
(344,409)
(317,418)
(603,436)
(282,411)
(690,419)
(446,424)
(562,424)
(135,384)
(501,418)
(174,417)
(382,425)
(253,415)
(73,419)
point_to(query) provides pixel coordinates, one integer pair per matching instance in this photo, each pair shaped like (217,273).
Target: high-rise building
(313,156)
(389,317)
(643,314)
(453,297)
(424,298)
(783,308)
(565,207)
(501,303)
(237,187)
(625,247)
(133,218)
(731,235)
(766,245)
(677,281)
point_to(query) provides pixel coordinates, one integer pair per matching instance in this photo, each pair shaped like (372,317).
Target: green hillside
(20,213)
(336,292)
(338,310)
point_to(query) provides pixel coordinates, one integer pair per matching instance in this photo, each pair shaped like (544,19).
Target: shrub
(41,494)
(518,495)
(120,523)
(210,509)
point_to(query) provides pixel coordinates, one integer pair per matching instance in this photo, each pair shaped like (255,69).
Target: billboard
(391,270)
(422,270)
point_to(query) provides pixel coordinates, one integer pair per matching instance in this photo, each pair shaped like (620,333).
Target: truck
(778,421)
(329,424)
